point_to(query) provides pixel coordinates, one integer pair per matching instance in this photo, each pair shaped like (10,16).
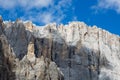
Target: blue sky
(103,13)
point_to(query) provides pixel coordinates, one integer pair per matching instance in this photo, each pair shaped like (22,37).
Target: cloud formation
(10,4)
(108,4)
(43,11)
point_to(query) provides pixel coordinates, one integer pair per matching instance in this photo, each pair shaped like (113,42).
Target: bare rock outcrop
(18,60)
(58,52)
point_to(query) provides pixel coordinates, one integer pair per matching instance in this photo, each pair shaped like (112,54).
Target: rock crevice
(71,52)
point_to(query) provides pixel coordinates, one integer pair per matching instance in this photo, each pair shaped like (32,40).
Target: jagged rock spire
(1,20)
(1,25)
(0,17)
(67,52)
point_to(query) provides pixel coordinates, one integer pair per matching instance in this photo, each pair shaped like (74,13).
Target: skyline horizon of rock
(57,24)
(58,52)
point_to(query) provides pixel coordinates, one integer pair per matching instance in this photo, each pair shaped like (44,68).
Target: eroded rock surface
(64,52)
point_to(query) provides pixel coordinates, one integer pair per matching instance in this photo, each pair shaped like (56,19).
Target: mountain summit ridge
(57,52)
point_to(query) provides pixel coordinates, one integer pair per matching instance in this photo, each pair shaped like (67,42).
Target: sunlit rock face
(57,52)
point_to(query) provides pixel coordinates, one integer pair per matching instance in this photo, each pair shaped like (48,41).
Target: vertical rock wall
(71,52)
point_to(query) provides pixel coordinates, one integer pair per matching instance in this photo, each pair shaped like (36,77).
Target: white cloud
(75,18)
(47,17)
(7,3)
(108,4)
(54,12)
(27,4)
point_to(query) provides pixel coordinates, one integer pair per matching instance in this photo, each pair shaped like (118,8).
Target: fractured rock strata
(64,52)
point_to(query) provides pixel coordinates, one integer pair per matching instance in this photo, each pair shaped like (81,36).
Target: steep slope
(64,52)
(17,59)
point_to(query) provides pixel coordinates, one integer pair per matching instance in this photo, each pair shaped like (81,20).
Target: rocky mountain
(57,52)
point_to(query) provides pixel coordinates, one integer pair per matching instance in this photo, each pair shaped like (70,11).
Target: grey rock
(64,52)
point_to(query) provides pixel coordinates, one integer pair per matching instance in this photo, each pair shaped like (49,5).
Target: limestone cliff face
(57,52)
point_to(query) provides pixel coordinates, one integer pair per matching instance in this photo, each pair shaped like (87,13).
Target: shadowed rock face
(71,52)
